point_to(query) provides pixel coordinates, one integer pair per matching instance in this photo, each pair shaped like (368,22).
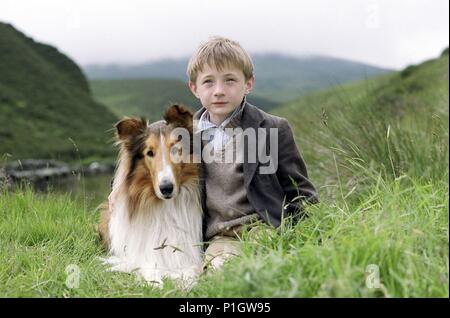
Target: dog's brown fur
(136,138)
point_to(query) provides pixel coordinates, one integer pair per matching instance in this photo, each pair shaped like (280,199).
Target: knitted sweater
(226,196)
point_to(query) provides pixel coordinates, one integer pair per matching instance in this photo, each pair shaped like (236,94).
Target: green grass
(378,153)
(401,226)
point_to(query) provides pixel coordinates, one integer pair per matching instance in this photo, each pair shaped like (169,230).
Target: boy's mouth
(219,103)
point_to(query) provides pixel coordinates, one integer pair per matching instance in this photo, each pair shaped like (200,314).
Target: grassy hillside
(45,103)
(150,97)
(399,228)
(396,123)
(376,150)
(279,78)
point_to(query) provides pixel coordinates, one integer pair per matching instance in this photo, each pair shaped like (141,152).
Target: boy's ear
(193,89)
(129,127)
(179,116)
(249,84)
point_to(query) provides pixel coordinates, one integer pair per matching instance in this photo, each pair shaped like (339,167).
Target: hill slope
(45,101)
(279,78)
(147,97)
(396,123)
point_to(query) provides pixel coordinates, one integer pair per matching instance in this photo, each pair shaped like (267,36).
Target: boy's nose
(219,90)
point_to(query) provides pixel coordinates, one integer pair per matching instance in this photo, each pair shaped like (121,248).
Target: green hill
(395,123)
(149,97)
(46,104)
(146,98)
(285,78)
(279,78)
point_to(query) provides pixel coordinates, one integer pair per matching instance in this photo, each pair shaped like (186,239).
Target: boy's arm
(292,173)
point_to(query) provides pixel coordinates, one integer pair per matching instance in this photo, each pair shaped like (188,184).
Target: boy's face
(220,92)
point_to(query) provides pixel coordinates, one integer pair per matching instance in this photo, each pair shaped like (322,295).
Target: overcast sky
(388,33)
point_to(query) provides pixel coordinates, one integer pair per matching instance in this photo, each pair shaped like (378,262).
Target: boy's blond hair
(220,52)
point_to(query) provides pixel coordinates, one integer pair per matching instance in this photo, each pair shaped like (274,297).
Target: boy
(235,193)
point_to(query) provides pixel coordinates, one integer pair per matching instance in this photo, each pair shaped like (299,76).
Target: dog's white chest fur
(165,240)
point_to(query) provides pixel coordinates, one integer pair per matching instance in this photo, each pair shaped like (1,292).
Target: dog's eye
(150,153)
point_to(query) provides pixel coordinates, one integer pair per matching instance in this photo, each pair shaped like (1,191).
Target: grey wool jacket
(277,194)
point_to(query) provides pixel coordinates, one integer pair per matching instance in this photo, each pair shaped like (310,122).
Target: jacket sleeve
(292,174)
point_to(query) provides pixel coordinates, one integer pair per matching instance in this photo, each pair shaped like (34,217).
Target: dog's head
(159,154)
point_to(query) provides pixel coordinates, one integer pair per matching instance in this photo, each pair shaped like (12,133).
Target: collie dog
(155,227)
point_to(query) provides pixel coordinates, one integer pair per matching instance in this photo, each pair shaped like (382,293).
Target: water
(87,191)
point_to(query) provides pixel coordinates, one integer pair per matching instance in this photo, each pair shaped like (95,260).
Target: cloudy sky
(388,33)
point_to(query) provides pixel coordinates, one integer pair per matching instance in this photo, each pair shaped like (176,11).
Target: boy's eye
(231,80)
(207,81)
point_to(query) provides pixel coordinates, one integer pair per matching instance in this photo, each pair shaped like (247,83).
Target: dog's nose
(166,188)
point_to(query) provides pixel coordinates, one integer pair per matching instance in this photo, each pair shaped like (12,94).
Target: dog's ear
(130,127)
(179,116)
